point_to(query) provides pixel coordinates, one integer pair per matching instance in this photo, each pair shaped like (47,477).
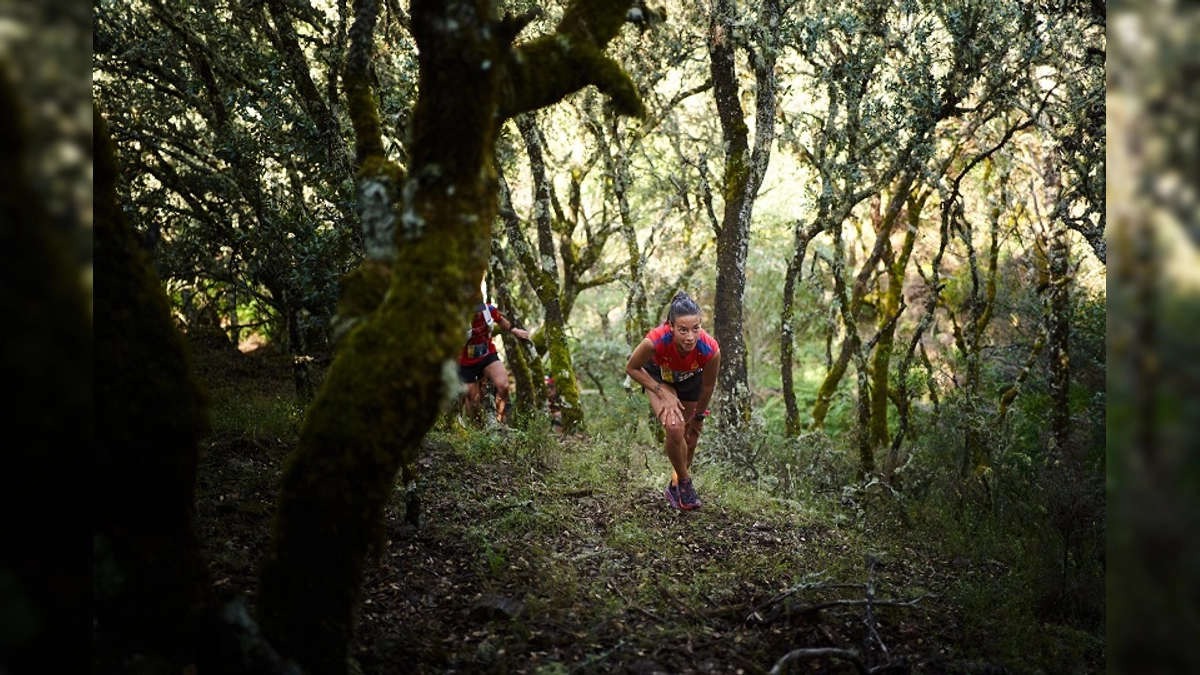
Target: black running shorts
(472,373)
(688,390)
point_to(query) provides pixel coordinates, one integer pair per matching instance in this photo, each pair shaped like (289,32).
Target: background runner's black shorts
(688,390)
(472,373)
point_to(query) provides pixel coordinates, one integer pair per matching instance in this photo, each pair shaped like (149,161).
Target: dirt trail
(514,568)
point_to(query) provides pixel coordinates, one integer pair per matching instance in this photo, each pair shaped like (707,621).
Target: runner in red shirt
(478,359)
(676,364)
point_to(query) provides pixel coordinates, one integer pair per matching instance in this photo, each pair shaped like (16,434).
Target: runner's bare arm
(662,396)
(519,333)
(641,354)
(709,383)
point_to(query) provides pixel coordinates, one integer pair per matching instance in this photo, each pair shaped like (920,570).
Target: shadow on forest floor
(542,554)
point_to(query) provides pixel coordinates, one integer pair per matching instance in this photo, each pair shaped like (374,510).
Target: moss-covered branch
(891,306)
(543,71)
(360,100)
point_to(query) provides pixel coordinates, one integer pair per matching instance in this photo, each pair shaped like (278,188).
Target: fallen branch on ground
(873,637)
(819,652)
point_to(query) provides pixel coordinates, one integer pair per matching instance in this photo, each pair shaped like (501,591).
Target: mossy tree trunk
(968,69)
(850,303)
(47,362)
(531,351)
(980,303)
(528,376)
(915,346)
(969,335)
(787,348)
(383,391)
(842,189)
(542,272)
(151,581)
(851,346)
(1058,319)
(890,308)
(745,168)
(1059,339)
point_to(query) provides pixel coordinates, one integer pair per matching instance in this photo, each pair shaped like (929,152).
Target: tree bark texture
(48,363)
(1058,338)
(803,236)
(970,336)
(150,578)
(891,305)
(543,275)
(526,351)
(744,172)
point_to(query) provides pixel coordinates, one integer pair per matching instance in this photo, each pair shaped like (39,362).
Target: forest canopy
(863,195)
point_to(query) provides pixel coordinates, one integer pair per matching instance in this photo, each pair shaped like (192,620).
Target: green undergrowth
(577,530)
(537,552)
(585,518)
(246,395)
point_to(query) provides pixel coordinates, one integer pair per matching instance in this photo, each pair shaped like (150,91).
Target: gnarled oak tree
(385,386)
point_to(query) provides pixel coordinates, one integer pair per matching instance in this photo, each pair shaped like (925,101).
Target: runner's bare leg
(498,374)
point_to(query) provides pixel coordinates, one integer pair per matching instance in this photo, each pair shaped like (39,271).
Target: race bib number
(477,351)
(677,375)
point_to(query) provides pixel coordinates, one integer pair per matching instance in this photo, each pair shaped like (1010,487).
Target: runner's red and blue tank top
(479,336)
(673,368)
